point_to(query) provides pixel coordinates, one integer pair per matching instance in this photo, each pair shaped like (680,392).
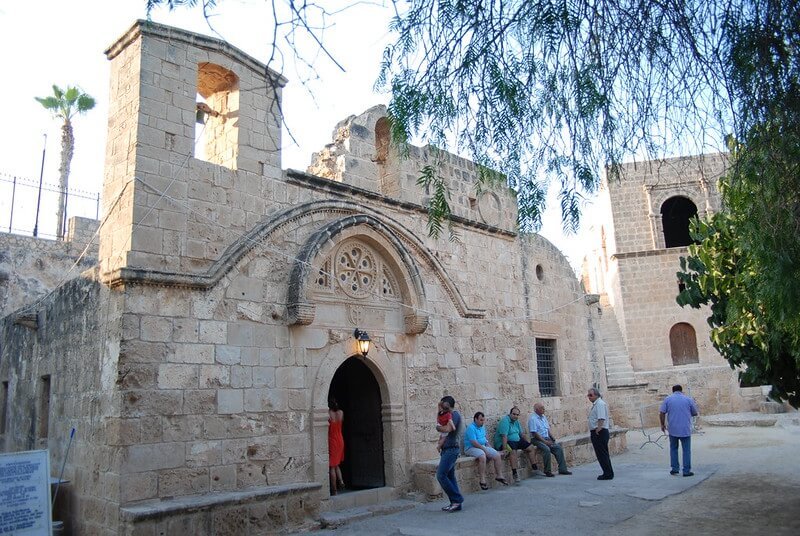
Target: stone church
(196,353)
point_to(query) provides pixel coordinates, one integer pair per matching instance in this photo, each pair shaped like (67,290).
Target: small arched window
(675,215)
(683,344)
(382,135)
(217,133)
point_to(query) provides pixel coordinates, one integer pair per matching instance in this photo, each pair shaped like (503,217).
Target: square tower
(194,132)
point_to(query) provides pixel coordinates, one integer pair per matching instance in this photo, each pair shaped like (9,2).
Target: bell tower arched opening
(675,215)
(358,394)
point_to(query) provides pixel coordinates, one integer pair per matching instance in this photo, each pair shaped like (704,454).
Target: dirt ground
(755,490)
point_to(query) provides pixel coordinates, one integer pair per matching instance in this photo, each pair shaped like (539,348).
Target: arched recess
(386,158)
(301,309)
(217,112)
(382,366)
(675,215)
(683,344)
(382,137)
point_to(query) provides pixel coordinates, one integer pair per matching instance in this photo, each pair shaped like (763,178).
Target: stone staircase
(619,371)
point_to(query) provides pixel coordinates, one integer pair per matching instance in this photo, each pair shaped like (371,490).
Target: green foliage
(747,265)
(438,207)
(555,90)
(64,104)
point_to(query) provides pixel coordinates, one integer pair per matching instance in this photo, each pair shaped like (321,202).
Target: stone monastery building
(196,353)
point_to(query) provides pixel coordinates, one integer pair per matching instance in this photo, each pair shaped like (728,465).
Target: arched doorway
(357,391)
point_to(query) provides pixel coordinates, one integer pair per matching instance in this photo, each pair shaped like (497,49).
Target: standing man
(510,437)
(544,441)
(598,433)
(446,472)
(681,409)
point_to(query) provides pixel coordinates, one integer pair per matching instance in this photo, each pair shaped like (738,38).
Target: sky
(60,42)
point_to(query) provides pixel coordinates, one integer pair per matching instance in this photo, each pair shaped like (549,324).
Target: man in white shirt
(598,433)
(545,442)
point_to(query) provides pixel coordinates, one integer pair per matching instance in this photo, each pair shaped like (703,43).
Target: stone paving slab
(646,481)
(337,519)
(739,419)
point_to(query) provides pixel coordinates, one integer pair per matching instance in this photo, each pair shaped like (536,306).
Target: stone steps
(334,519)
(619,370)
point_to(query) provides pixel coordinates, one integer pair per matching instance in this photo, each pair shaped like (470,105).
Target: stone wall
(169,210)
(650,285)
(31,267)
(219,393)
(71,344)
(636,198)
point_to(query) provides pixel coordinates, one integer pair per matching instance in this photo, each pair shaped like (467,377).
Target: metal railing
(19,197)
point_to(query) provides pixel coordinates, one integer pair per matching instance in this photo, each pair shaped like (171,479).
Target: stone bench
(577,451)
(256,510)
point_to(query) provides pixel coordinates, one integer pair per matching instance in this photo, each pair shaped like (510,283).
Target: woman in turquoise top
(476,445)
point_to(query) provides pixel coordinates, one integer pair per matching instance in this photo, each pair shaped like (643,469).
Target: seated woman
(476,445)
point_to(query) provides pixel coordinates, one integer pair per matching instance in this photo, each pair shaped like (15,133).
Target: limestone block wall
(60,374)
(157,72)
(31,267)
(219,393)
(649,286)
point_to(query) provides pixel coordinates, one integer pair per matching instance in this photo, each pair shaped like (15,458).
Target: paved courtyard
(747,481)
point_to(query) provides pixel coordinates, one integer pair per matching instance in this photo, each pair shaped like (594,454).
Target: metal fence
(28,209)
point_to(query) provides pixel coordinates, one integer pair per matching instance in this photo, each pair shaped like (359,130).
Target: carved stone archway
(400,269)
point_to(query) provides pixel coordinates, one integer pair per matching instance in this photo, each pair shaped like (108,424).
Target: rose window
(356,271)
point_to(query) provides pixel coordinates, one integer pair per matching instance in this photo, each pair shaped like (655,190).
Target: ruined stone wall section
(361,155)
(31,267)
(74,343)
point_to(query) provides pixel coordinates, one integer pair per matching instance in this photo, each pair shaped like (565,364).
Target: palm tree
(64,105)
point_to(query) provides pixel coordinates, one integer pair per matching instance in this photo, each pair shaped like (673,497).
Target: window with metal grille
(546,365)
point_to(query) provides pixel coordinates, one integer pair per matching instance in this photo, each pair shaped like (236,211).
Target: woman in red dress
(335,445)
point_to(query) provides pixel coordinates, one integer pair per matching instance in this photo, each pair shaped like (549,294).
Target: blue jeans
(686,443)
(446,475)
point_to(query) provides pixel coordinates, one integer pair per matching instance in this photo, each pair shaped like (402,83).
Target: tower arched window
(675,215)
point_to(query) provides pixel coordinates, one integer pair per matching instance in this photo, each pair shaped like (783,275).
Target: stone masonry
(196,358)
(633,271)
(31,267)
